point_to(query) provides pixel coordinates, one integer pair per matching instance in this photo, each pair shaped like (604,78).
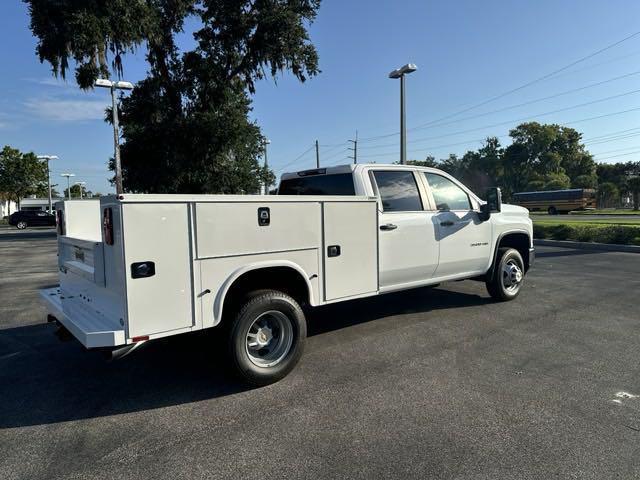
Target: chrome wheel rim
(512,275)
(269,339)
(22,225)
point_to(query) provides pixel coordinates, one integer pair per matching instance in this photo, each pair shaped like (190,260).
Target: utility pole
(317,155)
(266,142)
(354,149)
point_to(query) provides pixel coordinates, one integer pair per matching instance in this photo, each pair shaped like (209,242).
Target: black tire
(21,225)
(255,306)
(552,210)
(507,257)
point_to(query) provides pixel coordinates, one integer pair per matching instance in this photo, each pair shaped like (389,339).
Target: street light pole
(266,142)
(47,158)
(68,175)
(113,86)
(400,73)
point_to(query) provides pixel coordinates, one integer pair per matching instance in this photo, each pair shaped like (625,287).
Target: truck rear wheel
(507,277)
(266,339)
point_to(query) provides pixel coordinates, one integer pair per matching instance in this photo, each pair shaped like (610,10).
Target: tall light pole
(81,185)
(266,142)
(68,175)
(113,86)
(400,73)
(47,158)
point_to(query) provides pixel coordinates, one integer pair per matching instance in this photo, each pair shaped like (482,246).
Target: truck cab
(432,228)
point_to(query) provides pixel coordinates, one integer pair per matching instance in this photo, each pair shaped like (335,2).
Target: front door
(465,241)
(407,235)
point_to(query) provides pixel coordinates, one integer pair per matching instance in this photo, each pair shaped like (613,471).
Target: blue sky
(466,51)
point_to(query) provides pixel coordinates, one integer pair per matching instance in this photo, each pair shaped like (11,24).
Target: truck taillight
(60,222)
(107,226)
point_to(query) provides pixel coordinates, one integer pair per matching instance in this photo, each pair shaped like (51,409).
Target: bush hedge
(589,232)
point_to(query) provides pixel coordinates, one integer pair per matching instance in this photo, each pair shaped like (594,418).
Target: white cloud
(66,110)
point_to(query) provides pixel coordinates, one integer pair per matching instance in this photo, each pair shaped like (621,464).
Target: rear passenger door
(408,248)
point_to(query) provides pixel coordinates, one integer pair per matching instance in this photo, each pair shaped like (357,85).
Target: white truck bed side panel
(225,229)
(217,275)
(158,233)
(353,227)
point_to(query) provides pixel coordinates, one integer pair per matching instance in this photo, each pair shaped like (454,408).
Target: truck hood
(514,210)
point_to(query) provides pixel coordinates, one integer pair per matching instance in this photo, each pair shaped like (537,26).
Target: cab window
(447,195)
(398,191)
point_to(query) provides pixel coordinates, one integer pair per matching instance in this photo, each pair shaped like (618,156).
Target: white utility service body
(201,244)
(138,267)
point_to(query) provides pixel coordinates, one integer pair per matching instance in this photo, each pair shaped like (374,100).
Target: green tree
(634,187)
(608,195)
(548,150)
(75,192)
(21,174)
(185,126)
(585,181)
(429,161)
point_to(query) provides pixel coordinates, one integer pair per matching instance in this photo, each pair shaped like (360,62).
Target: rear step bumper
(90,327)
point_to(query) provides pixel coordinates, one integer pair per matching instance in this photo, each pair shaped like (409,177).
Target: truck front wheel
(266,339)
(505,281)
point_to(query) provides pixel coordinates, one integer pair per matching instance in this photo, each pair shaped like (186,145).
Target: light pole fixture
(68,175)
(400,73)
(48,158)
(81,185)
(266,142)
(113,86)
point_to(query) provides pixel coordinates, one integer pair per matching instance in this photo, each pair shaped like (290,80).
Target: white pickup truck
(134,268)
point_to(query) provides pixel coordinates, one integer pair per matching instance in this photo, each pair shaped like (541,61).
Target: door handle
(447,223)
(388,226)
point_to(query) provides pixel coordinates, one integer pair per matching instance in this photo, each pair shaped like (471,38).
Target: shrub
(589,232)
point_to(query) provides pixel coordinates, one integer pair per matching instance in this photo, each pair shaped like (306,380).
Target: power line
(530,117)
(530,101)
(621,112)
(616,156)
(616,150)
(539,79)
(513,90)
(297,158)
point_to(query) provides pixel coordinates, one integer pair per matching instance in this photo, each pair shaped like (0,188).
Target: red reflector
(141,338)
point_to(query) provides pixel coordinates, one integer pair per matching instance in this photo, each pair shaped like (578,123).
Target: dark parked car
(31,218)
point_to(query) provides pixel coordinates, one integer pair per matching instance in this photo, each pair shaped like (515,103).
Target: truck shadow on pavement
(46,381)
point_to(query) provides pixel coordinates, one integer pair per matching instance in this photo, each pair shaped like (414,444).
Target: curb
(607,247)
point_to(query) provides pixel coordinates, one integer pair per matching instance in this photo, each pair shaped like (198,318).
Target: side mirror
(493,204)
(494,199)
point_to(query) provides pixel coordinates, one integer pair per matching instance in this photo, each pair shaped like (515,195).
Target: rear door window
(398,191)
(336,184)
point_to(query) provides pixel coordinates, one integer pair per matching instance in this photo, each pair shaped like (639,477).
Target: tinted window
(448,195)
(398,191)
(337,184)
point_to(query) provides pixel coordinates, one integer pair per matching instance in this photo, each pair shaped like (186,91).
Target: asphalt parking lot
(432,383)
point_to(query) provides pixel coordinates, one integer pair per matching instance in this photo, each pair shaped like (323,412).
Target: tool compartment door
(350,249)
(158,233)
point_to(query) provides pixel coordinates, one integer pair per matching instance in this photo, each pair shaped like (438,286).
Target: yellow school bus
(556,201)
